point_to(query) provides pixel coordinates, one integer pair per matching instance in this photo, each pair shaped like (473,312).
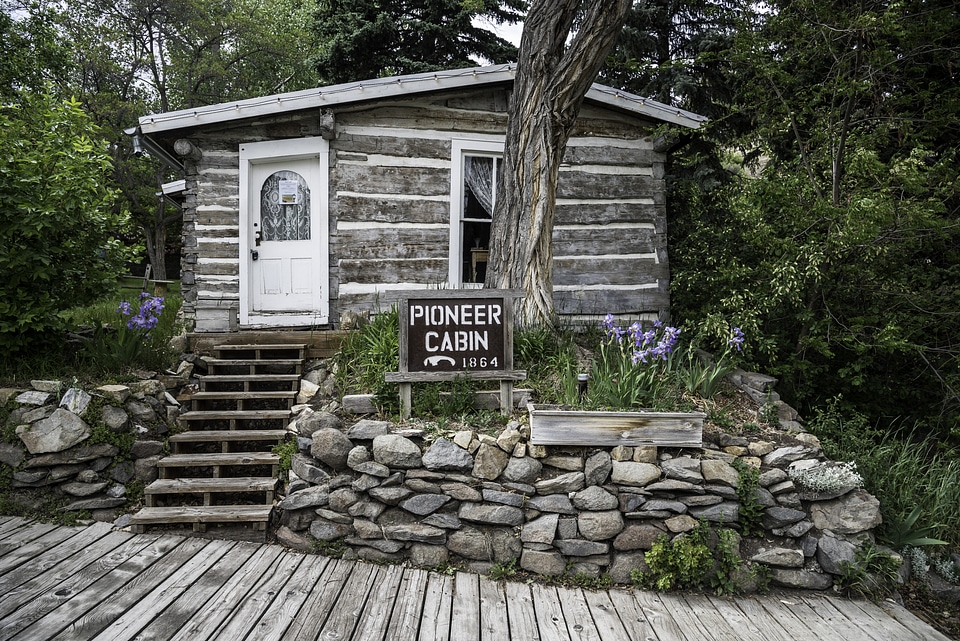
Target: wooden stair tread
(200,415)
(188,485)
(265,346)
(253,361)
(243,378)
(202,436)
(230,396)
(230,458)
(202,514)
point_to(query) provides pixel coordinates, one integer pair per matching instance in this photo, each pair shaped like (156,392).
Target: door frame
(272,151)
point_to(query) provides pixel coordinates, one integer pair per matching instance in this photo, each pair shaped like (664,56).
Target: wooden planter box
(553,425)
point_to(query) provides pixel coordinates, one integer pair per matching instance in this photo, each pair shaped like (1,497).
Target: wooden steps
(222,470)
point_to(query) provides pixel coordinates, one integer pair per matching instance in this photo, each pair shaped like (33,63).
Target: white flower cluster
(921,562)
(827,477)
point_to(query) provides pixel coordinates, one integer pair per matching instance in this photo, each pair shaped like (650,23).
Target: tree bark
(552,80)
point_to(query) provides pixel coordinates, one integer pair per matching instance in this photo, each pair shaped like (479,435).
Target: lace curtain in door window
(285,207)
(478,175)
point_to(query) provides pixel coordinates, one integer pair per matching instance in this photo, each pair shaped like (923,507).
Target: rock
(672,485)
(780,517)
(645,454)
(461,492)
(833,552)
(554,503)
(504,498)
(342,498)
(446,456)
(84,489)
(93,504)
(506,546)
(566,463)
(289,538)
(443,520)
(314,496)
(324,530)
(61,431)
(145,469)
(623,565)
(115,393)
(600,526)
(491,514)
(12,454)
(794,531)
(634,474)
(33,397)
(540,530)
(508,440)
(637,537)
(720,513)
(367,430)
(307,391)
(720,472)
(579,547)
(304,467)
(372,468)
(75,400)
(661,505)
(143,449)
(597,468)
(490,462)
(357,456)
(802,579)
(115,418)
(314,421)
(358,404)
(424,504)
(683,468)
(522,470)
(563,484)
(595,498)
(396,451)
(681,523)
(853,513)
(779,557)
(367,509)
(543,563)
(784,455)
(391,495)
(140,412)
(428,556)
(471,543)
(464,438)
(331,447)
(414,532)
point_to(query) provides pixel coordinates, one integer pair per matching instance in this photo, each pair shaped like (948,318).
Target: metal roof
(378,88)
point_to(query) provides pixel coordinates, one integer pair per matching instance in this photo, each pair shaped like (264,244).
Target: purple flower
(736,339)
(125,308)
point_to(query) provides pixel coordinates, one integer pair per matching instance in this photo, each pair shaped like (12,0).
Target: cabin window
(285,207)
(474,197)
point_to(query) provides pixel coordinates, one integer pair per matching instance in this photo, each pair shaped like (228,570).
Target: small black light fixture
(582,380)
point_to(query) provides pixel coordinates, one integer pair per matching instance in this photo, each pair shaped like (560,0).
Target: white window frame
(459,150)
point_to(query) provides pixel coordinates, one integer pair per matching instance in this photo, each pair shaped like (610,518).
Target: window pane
(285,207)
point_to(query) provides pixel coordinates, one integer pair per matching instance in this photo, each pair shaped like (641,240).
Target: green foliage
(904,532)
(59,225)
(367,353)
(873,572)
(677,564)
(286,452)
(724,581)
(500,570)
(751,511)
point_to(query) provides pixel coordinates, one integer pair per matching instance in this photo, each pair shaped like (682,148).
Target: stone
(554,503)
(623,565)
(291,539)
(94,504)
(367,430)
(645,454)
(415,532)
(461,492)
(335,517)
(760,448)
(307,391)
(491,514)
(504,498)
(543,563)
(115,418)
(832,552)
(424,504)
(357,456)
(564,483)
(779,557)
(537,451)
(490,461)
(340,499)
(75,400)
(540,530)
(580,547)
(680,523)
(84,489)
(683,468)
(331,447)
(423,487)
(784,455)
(597,468)
(566,463)
(594,498)
(310,422)
(396,451)
(631,502)
(61,431)
(12,454)
(391,495)
(700,501)
(140,412)
(143,449)
(506,546)
(33,397)
(305,467)
(720,472)
(853,513)
(522,470)
(374,469)
(725,512)
(443,520)
(367,509)
(634,474)
(367,529)
(801,579)
(88,476)
(314,496)
(471,543)
(621,453)
(600,526)
(673,485)
(794,531)
(115,393)
(428,556)
(508,439)
(661,505)
(447,456)
(324,530)
(637,537)
(464,438)
(358,404)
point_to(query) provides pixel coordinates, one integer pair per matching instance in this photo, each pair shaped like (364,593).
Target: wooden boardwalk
(78,583)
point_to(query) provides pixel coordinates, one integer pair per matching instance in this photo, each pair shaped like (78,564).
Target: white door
(284,233)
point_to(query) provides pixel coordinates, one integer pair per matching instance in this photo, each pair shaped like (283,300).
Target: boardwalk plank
(872,620)
(658,616)
(550,621)
(466,607)
(134,619)
(76,605)
(838,622)
(316,609)
(247,610)
(275,622)
(188,603)
(729,610)
(796,618)
(208,619)
(605,616)
(494,622)
(19,532)
(437,608)
(695,620)
(576,613)
(376,614)
(405,622)
(769,628)
(341,623)
(912,621)
(520,614)
(632,616)
(16,565)
(33,609)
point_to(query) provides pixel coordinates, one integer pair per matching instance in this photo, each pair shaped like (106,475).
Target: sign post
(449,333)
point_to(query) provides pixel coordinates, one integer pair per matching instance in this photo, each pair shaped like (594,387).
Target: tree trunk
(551,81)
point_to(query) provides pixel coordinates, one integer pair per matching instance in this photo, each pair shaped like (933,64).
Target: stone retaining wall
(476,500)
